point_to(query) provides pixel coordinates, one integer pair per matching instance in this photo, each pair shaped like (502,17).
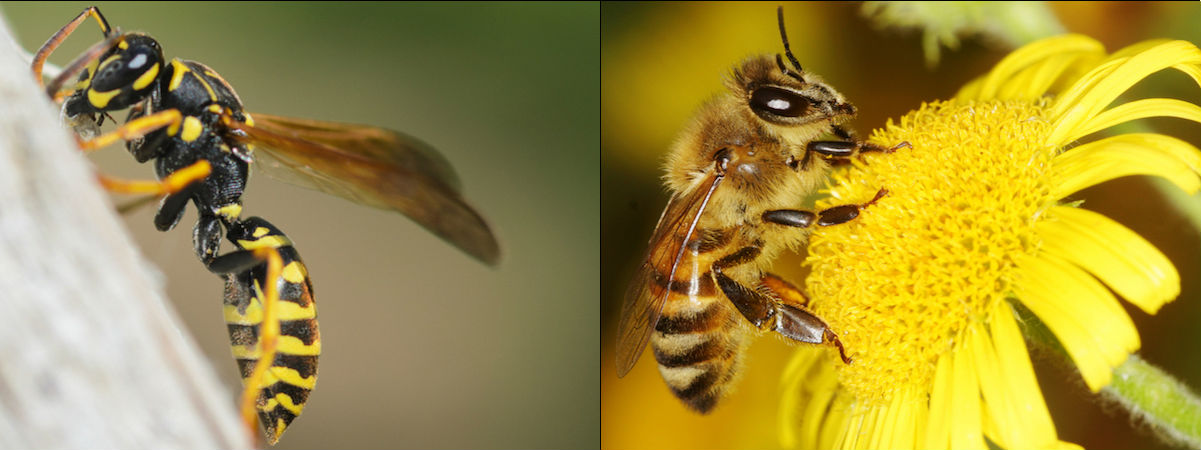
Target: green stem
(1170,409)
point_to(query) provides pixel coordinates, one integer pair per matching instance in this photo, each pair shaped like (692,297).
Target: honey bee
(736,174)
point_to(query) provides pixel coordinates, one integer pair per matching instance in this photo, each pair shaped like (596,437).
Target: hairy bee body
(737,173)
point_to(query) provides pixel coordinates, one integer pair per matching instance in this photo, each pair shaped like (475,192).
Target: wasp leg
(268,334)
(136,128)
(172,184)
(135,204)
(68,73)
(279,392)
(39,58)
(176,188)
(768,308)
(834,215)
(171,209)
(268,340)
(206,237)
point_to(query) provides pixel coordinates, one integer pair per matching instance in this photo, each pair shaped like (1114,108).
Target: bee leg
(843,151)
(843,133)
(39,58)
(841,214)
(795,320)
(834,215)
(785,291)
(775,310)
(751,303)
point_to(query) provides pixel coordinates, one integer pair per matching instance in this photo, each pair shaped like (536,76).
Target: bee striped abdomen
(285,388)
(698,338)
(699,350)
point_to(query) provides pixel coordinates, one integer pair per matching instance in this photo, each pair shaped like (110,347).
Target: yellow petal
(909,419)
(896,428)
(839,422)
(1136,48)
(1034,81)
(1066,104)
(1085,316)
(1121,258)
(1015,404)
(807,387)
(992,386)
(815,413)
(852,433)
(966,432)
(1128,154)
(938,425)
(1046,49)
(875,427)
(1134,110)
(1077,107)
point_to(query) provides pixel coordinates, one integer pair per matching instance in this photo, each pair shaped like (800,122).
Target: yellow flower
(922,288)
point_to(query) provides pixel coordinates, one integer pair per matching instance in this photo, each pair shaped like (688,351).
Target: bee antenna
(787,49)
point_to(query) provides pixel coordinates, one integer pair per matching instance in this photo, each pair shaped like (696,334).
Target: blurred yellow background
(423,346)
(660,61)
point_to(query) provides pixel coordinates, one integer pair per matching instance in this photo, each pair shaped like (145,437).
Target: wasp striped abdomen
(284,388)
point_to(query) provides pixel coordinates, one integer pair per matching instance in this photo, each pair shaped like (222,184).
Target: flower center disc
(901,282)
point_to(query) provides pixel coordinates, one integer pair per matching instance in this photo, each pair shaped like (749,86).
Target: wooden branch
(91,354)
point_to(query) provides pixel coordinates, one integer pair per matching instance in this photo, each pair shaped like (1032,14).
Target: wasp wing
(645,296)
(372,166)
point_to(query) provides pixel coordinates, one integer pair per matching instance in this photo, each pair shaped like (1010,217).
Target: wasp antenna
(104,26)
(784,37)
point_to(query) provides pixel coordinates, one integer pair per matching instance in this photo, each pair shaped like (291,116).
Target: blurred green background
(423,346)
(660,61)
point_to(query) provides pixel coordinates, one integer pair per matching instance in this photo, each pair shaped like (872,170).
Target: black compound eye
(778,102)
(125,70)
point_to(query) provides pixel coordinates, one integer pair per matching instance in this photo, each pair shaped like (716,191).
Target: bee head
(795,105)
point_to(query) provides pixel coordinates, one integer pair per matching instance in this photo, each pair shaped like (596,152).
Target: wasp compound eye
(779,102)
(125,70)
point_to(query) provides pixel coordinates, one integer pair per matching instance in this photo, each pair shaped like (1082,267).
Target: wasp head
(121,77)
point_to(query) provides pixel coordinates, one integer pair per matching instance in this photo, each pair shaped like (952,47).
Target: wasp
(191,123)
(736,174)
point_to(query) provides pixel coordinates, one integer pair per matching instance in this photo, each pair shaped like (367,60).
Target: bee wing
(372,166)
(646,294)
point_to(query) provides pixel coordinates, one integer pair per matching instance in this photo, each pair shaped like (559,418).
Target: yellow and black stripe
(284,388)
